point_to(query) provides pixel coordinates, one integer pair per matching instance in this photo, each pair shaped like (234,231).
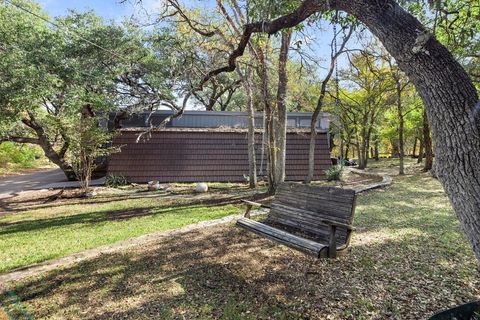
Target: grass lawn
(408,259)
(43,231)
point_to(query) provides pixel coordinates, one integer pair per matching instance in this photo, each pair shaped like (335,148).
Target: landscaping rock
(201,187)
(90,194)
(154,185)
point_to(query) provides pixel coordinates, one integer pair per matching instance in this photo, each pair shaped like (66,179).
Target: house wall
(207,155)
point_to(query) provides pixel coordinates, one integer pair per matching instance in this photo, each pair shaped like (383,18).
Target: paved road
(13,184)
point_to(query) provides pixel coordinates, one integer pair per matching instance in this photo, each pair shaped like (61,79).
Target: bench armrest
(255,204)
(251,204)
(332,243)
(338,224)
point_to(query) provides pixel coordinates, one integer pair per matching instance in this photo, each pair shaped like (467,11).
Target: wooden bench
(316,220)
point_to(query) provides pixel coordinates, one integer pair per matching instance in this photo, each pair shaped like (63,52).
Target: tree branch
(305,10)
(19,140)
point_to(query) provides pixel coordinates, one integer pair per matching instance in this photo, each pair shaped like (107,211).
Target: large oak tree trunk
(57,157)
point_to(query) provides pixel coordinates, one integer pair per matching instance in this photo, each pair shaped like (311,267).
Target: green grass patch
(54,231)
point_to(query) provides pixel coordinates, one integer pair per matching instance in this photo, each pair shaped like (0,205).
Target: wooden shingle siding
(195,156)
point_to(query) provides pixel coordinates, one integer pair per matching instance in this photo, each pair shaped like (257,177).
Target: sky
(108,9)
(116,11)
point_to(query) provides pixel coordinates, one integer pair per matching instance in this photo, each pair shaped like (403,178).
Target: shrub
(334,173)
(115,181)
(22,155)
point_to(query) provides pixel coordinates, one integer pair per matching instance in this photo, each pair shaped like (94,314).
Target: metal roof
(216,119)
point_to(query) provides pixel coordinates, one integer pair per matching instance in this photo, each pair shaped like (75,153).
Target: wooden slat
(317,191)
(304,245)
(337,208)
(303,217)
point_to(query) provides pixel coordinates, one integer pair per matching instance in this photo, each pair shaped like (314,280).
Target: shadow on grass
(231,274)
(121,214)
(13,206)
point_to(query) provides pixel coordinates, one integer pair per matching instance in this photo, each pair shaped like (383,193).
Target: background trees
(57,73)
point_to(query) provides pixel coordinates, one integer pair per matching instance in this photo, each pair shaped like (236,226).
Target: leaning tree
(450,98)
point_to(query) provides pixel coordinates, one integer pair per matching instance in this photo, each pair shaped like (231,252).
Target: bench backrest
(303,207)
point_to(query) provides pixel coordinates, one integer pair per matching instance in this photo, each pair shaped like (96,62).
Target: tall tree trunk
(414,152)
(427,141)
(420,151)
(281,110)
(363,149)
(401,147)
(376,155)
(318,108)
(269,127)
(252,165)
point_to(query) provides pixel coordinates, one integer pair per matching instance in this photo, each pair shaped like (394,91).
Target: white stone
(153,185)
(201,187)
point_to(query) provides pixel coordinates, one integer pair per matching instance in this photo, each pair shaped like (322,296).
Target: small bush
(22,155)
(115,181)
(334,173)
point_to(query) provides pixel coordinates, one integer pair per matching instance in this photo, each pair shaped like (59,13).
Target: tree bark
(49,151)
(252,165)
(450,99)
(269,128)
(427,143)
(375,150)
(281,110)
(414,152)
(420,151)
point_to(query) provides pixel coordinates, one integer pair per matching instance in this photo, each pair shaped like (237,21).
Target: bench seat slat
(305,245)
(314,217)
(333,208)
(330,194)
(321,234)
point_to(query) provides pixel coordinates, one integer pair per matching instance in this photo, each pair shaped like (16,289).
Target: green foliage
(455,24)
(334,173)
(115,181)
(22,155)
(88,142)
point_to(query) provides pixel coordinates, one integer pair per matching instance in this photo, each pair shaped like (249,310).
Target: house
(211,147)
